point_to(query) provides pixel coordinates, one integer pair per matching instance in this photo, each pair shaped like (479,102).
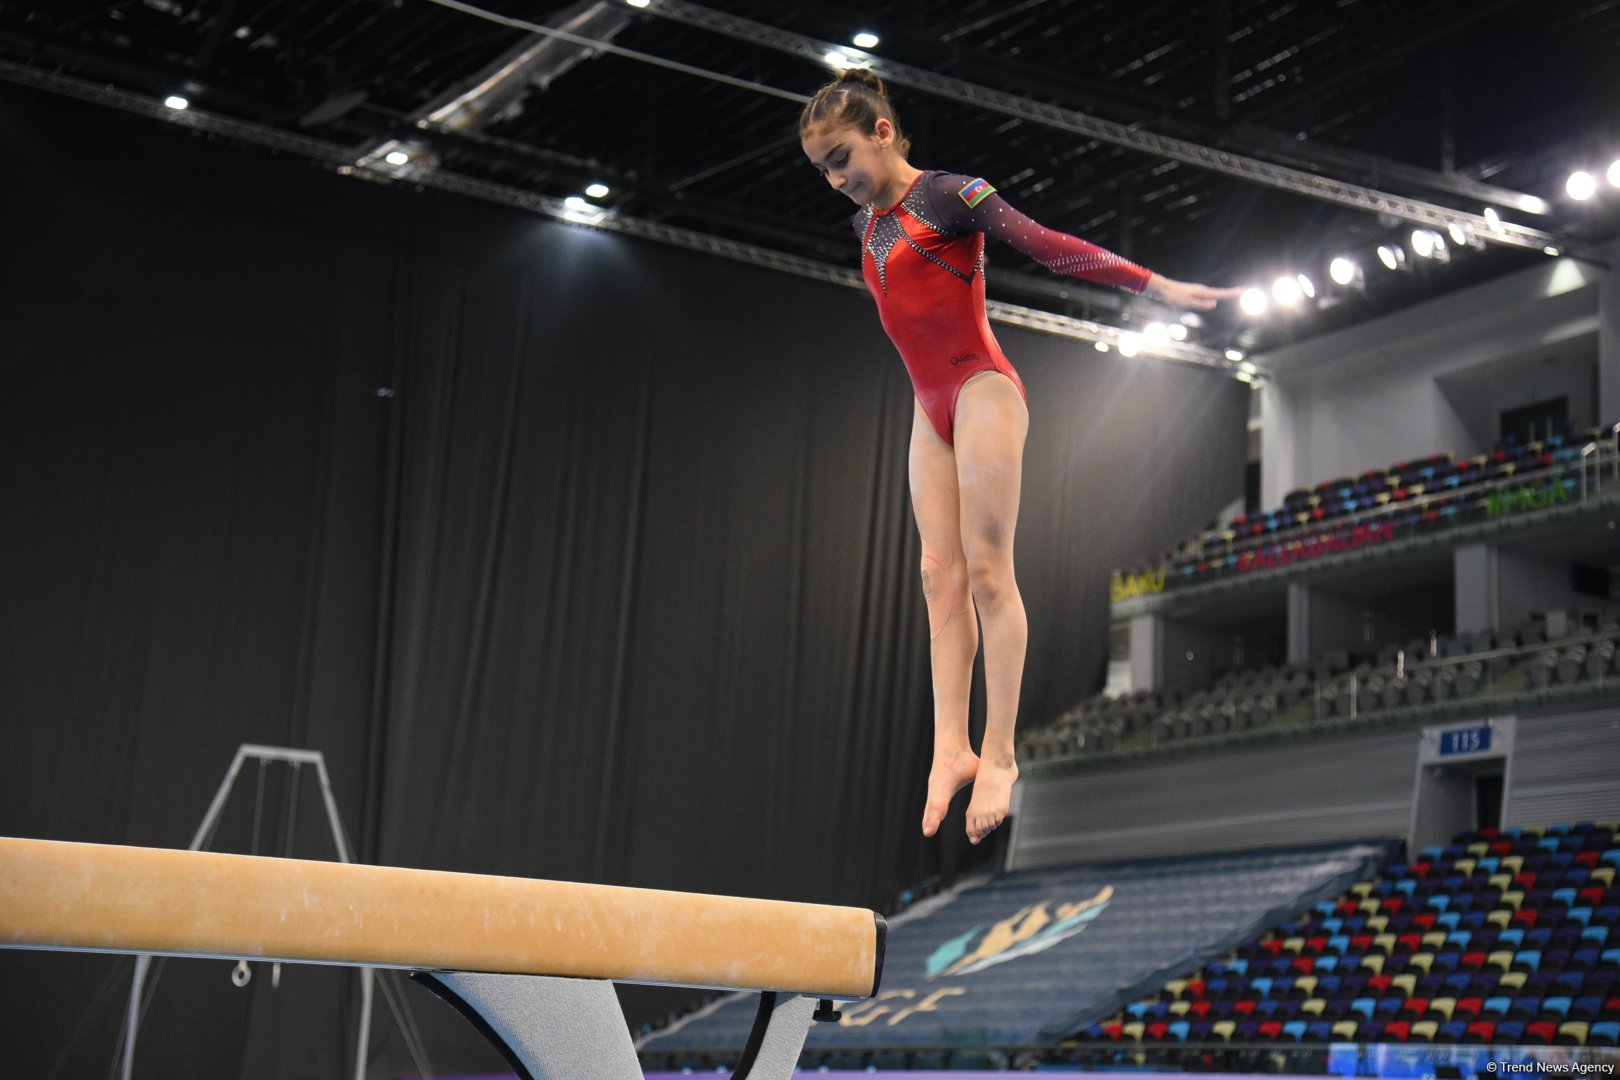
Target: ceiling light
(1178,331)
(1342,271)
(1551,250)
(1581,185)
(1253,302)
(1102,346)
(1306,286)
(597,191)
(1530,204)
(865,40)
(1459,235)
(1129,344)
(577,205)
(1155,333)
(1244,376)
(397,157)
(1493,217)
(1423,243)
(1393,256)
(1247,368)
(1234,355)
(638,3)
(1285,290)
(1614,173)
(176,102)
(839,60)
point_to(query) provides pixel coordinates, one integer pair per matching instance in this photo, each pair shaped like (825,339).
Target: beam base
(573,1029)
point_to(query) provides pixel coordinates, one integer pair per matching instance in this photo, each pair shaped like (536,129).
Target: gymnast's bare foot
(951,773)
(992,795)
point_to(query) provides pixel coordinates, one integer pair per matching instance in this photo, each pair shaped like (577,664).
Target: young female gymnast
(922,240)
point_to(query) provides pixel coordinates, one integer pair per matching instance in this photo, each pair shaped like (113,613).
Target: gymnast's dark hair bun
(856,98)
(864,78)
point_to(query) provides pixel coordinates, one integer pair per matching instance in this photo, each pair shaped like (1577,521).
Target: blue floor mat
(1027,959)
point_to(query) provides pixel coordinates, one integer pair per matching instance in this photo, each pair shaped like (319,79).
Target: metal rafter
(1249,138)
(340,158)
(1131,137)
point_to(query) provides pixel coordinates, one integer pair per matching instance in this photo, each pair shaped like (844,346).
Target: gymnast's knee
(990,578)
(945,587)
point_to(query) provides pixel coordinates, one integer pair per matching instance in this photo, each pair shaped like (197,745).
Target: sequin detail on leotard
(937,321)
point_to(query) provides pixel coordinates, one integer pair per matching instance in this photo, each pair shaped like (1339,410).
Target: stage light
(1614,173)
(865,40)
(1581,185)
(1343,271)
(1129,344)
(1530,204)
(1102,346)
(577,205)
(1234,355)
(1306,286)
(1192,319)
(1286,291)
(1493,217)
(1244,377)
(1393,256)
(1253,302)
(1177,331)
(177,103)
(1423,243)
(1551,250)
(638,3)
(597,191)
(1247,368)
(1459,235)
(1155,333)
(397,157)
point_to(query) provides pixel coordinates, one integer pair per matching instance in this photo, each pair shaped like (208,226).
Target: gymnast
(922,257)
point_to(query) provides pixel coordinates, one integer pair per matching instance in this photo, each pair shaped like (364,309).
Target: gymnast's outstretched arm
(965,204)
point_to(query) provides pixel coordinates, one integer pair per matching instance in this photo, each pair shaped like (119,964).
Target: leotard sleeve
(964,204)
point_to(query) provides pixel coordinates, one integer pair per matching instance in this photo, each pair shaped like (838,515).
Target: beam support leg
(573,1029)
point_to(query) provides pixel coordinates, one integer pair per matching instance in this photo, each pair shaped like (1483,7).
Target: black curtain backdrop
(577,557)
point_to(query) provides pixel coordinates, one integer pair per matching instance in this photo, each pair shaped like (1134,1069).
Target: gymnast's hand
(1184,294)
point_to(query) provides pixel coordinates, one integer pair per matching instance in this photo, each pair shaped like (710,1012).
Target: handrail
(1417,502)
(1487,697)
(1217,548)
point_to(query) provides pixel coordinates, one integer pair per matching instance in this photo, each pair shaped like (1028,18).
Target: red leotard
(923,260)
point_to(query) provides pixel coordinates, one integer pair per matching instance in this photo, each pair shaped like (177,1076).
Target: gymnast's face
(860,166)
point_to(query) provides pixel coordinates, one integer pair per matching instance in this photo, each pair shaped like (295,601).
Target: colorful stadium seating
(1436,492)
(1458,674)
(1439,968)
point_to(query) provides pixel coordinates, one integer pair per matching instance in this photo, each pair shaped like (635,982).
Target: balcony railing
(1572,670)
(1580,478)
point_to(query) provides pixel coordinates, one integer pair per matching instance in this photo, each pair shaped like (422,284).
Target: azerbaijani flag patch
(976,192)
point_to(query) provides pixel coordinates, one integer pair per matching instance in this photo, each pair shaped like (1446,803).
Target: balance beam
(528,950)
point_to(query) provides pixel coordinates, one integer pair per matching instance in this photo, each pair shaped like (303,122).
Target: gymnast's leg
(953,631)
(991,424)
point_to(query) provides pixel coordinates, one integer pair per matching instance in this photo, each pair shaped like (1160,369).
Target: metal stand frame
(573,1029)
(548,1028)
(205,832)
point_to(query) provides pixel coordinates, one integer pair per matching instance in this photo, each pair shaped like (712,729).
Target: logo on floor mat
(1032,930)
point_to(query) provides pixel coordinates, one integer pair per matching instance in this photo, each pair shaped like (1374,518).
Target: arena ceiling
(1233,141)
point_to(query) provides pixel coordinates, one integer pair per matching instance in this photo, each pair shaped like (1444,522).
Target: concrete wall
(1437,376)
